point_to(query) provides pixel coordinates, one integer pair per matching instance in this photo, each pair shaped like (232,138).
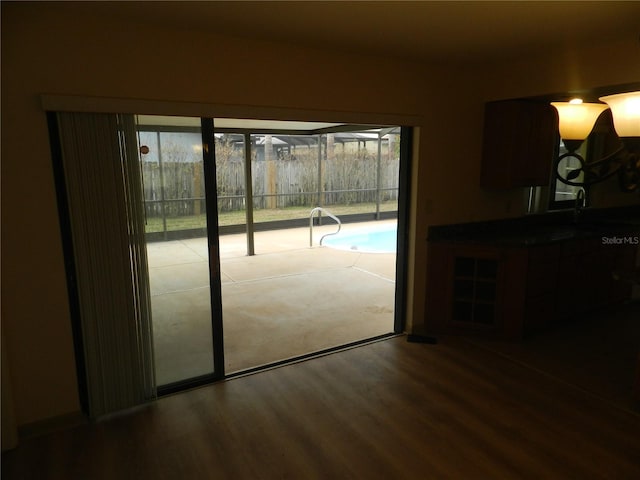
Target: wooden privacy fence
(344,180)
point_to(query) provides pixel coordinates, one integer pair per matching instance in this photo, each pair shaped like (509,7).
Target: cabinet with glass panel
(474,290)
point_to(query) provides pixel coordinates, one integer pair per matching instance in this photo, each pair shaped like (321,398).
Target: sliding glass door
(173,188)
(181,247)
(283,299)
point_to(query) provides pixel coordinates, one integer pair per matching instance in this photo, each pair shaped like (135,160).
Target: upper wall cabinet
(520,140)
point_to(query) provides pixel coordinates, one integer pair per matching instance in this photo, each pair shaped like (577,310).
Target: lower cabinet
(542,279)
(475,290)
(591,275)
(508,292)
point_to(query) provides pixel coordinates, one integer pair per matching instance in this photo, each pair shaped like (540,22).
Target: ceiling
(470,32)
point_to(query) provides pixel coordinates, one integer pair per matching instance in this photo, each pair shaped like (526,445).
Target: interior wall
(48,51)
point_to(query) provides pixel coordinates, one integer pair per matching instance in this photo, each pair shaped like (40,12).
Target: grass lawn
(262,215)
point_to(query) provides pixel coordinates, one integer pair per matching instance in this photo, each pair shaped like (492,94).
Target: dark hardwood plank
(391,409)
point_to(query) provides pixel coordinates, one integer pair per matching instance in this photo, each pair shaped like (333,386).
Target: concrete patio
(287,300)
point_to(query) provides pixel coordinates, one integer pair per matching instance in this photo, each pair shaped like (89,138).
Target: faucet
(579,205)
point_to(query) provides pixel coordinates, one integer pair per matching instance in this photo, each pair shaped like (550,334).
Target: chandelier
(576,120)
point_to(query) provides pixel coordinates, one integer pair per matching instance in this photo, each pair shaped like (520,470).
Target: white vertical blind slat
(107,226)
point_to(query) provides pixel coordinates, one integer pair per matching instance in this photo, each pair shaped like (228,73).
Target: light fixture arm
(594,172)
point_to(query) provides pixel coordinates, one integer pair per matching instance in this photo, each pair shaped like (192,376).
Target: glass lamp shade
(625,108)
(577,119)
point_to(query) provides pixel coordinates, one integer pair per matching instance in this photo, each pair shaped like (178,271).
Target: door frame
(402,240)
(408,122)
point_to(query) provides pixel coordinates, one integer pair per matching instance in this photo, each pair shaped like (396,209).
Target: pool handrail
(329,214)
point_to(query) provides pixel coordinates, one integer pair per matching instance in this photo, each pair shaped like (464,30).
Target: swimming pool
(375,241)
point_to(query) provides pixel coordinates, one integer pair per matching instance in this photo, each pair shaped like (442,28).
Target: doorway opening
(283,295)
(148,213)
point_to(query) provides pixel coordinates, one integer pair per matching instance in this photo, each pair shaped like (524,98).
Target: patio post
(162,199)
(320,203)
(248,188)
(378,175)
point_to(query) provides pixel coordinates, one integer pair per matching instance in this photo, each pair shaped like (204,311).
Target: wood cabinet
(474,290)
(542,277)
(587,275)
(519,143)
(510,291)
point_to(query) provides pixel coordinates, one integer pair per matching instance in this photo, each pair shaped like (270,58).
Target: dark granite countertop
(620,225)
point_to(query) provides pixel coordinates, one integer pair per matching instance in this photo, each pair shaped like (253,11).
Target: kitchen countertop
(619,226)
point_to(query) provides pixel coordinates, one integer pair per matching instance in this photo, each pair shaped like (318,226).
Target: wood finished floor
(387,410)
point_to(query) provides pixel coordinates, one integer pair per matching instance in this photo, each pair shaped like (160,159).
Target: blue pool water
(376,241)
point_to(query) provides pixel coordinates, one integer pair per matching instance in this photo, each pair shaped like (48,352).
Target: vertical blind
(105,202)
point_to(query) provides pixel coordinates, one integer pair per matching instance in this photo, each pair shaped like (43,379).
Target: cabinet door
(439,277)
(519,144)
(464,285)
(624,271)
(542,287)
(574,271)
(474,302)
